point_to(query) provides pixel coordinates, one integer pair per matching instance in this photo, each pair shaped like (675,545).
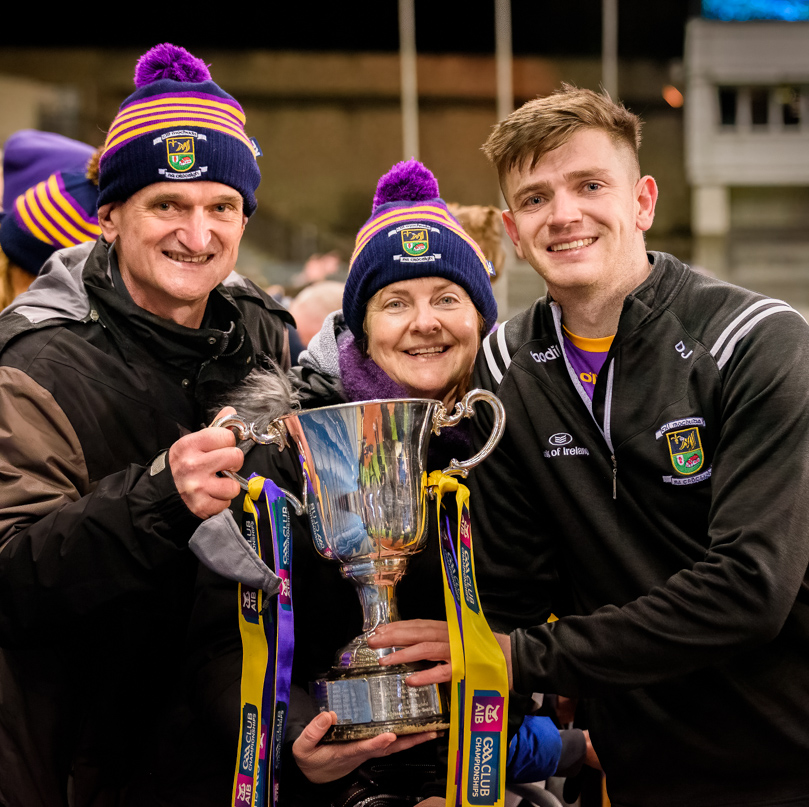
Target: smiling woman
(424,333)
(417,299)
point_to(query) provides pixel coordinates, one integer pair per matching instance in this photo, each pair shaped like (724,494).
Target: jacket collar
(653,295)
(222,332)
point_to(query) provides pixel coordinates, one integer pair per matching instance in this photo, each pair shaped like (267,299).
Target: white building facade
(747,153)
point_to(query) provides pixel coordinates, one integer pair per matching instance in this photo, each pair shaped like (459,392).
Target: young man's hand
(425,640)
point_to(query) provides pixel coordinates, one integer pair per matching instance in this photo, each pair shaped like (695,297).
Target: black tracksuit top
(668,527)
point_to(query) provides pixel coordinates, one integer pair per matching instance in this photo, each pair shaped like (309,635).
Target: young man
(109,366)
(652,487)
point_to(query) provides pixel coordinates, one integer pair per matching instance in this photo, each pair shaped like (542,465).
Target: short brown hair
(544,124)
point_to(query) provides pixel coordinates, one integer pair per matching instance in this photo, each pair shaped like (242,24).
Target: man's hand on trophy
(326,762)
(195,459)
(425,640)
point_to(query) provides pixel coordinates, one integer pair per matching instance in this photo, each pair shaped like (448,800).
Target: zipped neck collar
(556,310)
(645,302)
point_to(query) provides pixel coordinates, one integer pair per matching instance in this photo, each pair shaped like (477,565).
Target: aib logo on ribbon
(487,713)
(249,604)
(415,242)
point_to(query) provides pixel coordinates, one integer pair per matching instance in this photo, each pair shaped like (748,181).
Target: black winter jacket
(668,524)
(97,580)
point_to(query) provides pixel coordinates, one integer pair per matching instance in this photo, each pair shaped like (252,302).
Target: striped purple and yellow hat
(178,126)
(411,234)
(55,212)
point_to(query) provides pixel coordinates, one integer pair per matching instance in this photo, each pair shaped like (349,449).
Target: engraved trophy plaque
(365,492)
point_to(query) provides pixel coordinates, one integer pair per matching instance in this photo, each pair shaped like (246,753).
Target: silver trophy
(365,491)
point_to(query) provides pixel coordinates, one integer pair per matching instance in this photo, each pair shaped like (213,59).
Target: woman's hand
(425,640)
(327,762)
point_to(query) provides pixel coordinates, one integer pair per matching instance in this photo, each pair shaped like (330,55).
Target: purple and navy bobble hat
(53,205)
(29,156)
(177,126)
(411,234)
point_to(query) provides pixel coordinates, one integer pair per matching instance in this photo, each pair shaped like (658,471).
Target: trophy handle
(466,408)
(276,434)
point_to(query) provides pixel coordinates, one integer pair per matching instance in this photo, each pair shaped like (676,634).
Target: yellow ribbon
(478,735)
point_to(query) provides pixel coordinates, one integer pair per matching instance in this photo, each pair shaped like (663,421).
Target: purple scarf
(362,378)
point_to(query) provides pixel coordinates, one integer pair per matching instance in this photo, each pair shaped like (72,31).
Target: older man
(109,366)
(654,468)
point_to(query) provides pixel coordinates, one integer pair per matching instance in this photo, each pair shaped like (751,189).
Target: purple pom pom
(406,182)
(169,61)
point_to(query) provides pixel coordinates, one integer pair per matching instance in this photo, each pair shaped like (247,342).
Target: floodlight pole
(503,58)
(409,90)
(609,47)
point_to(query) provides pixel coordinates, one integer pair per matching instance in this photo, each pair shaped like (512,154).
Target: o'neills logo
(483,778)
(550,354)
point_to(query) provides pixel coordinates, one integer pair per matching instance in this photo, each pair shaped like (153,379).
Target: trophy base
(376,701)
(339,734)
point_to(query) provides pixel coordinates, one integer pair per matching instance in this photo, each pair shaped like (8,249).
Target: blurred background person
(310,307)
(485,224)
(50,196)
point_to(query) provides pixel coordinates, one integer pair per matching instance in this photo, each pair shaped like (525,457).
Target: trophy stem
(367,698)
(375,580)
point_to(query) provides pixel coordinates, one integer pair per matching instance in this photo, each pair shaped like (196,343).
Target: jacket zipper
(605,432)
(607,428)
(614,477)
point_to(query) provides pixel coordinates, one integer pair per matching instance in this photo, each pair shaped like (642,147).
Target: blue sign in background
(789,10)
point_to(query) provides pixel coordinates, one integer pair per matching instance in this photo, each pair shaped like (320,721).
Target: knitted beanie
(29,156)
(411,234)
(47,212)
(177,126)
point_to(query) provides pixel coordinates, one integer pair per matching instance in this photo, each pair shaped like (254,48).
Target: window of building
(782,108)
(759,106)
(789,99)
(727,105)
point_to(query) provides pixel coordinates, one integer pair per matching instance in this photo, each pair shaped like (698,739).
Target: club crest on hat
(180,151)
(685,450)
(415,242)
(181,154)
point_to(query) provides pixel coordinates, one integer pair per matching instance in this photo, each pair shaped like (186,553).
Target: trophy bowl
(365,492)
